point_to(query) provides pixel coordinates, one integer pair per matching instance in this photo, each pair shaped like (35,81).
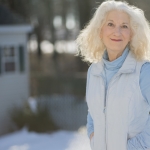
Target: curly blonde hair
(90,46)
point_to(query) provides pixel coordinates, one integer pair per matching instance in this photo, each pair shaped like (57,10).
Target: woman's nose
(117,31)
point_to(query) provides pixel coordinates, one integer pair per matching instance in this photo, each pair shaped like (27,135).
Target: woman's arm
(142,140)
(90,126)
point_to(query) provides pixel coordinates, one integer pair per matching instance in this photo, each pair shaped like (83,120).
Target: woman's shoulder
(145,81)
(145,70)
(95,68)
(145,74)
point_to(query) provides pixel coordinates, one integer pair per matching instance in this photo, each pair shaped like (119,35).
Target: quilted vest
(121,112)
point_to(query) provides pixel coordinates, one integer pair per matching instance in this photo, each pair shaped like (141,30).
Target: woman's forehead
(118,16)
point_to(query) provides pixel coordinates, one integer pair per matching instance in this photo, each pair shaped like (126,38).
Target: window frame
(5,59)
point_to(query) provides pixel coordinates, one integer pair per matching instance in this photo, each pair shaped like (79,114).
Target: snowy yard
(60,140)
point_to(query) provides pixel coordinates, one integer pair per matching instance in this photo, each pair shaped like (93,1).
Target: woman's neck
(113,55)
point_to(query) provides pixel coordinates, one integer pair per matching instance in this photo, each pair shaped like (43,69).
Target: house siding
(14,86)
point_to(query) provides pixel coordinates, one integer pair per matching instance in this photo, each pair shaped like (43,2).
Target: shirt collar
(128,65)
(117,63)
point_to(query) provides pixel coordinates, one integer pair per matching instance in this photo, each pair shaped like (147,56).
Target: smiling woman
(117,43)
(116,33)
(91,47)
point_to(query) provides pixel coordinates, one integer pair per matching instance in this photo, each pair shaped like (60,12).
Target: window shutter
(0,60)
(21,59)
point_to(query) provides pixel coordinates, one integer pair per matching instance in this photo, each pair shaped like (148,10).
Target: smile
(116,40)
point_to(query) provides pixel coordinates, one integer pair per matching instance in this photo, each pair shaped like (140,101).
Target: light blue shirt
(142,140)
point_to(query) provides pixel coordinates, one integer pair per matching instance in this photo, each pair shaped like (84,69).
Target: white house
(14,70)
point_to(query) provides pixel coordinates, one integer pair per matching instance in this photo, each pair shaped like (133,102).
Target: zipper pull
(104,109)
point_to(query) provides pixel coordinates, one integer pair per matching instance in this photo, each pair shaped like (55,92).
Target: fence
(66,111)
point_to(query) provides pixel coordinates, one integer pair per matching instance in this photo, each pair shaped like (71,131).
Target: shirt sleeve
(90,125)
(142,140)
(145,81)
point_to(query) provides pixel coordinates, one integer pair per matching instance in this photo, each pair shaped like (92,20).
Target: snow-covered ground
(60,140)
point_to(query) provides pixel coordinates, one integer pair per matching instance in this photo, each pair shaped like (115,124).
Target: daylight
(74,75)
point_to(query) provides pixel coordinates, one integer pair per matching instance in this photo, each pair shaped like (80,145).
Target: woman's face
(116,31)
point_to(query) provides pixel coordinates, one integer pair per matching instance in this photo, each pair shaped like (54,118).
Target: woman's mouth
(116,40)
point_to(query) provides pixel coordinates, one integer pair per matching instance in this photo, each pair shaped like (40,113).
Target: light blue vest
(126,111)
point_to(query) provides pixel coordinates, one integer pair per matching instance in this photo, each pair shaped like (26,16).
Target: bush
(38,122)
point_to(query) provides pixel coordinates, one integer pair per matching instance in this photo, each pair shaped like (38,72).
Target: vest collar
(128,66)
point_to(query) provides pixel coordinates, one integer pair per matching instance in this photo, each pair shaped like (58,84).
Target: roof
(7,17)
(15,29)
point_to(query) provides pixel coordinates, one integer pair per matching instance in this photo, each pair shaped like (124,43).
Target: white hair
(91,48)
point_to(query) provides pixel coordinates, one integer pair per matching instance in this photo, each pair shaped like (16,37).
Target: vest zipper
(105,106)
(104,111)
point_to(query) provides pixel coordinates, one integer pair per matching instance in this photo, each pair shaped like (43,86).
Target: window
(11,59)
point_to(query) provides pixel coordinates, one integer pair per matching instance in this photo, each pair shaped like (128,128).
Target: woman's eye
(124,26)
(110,24)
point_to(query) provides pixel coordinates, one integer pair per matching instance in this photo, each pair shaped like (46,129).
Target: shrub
(38,122)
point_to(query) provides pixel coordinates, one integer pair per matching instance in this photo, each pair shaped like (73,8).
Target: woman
(117,43)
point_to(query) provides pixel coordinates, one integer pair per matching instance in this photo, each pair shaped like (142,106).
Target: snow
(60,140)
